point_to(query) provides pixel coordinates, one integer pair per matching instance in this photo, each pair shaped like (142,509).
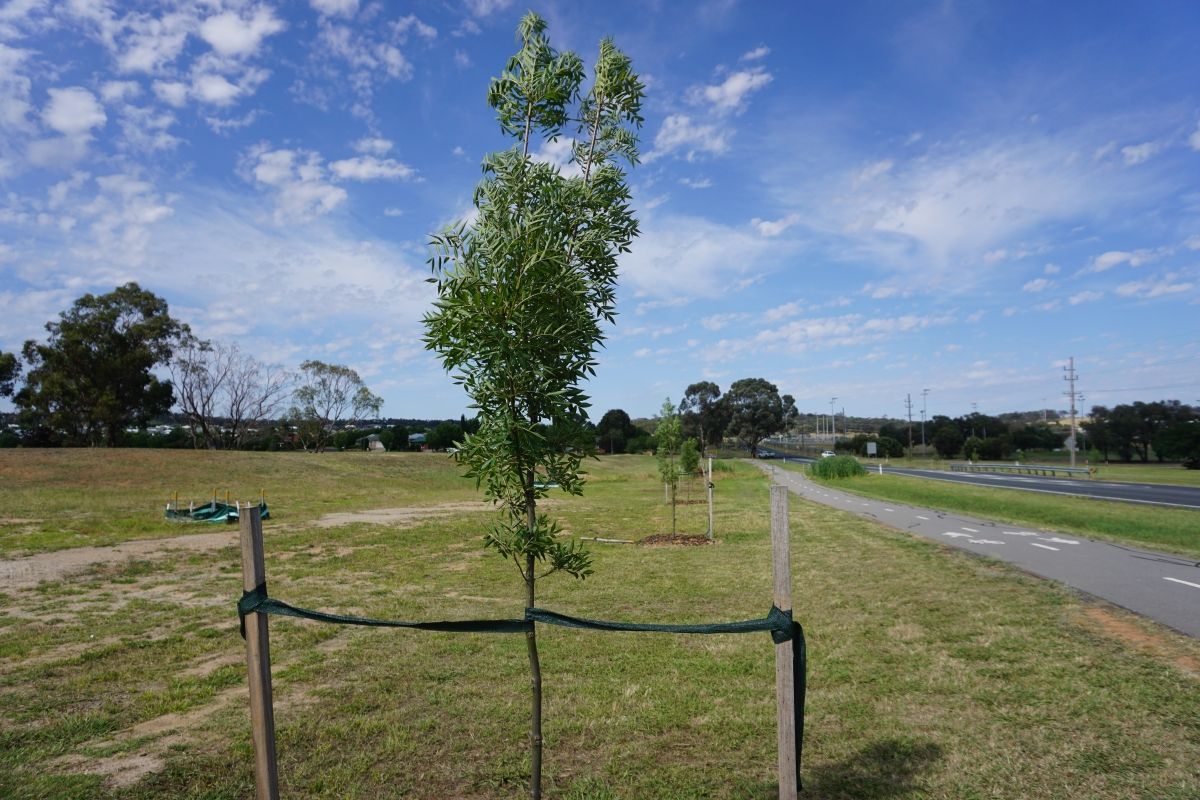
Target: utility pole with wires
(924,396)
(908,405)
(832,420)
(1070,377)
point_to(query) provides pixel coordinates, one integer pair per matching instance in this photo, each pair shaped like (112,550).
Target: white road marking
(965,528)
(924,518)
(1044,546)
(1185,583)
(1061,541)
(889,509)
(956,535)
(1019,533)
(983,541)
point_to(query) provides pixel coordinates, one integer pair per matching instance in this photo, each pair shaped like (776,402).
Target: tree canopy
(10,369)
(756,411)
(327,394)
(703,414)
(92,378)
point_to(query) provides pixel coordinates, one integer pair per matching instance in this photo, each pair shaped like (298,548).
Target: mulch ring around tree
(675,540)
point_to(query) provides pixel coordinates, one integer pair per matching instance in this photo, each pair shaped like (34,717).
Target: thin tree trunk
(535,667)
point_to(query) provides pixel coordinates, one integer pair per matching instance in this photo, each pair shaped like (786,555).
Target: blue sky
(851,200)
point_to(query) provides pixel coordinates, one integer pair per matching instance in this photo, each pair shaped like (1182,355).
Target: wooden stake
(785,688)
(258,659)
(709,482)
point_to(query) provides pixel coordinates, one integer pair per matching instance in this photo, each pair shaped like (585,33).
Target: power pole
(1070,377)
(924,394)
(908,405)
(833,420)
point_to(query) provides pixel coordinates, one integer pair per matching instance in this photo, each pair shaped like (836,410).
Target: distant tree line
(1166,430)
(116,364)
(749,412)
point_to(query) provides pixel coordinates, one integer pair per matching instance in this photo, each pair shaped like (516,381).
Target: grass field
(932,674)
(1175,530)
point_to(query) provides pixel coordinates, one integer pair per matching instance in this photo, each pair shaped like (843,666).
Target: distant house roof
(416,438)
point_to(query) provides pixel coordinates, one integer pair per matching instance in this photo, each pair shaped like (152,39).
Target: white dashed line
(1018,533)
(889,509)
(983,541)
(1061,541)
(924,518)
(1185,583)
(965,528)
(957,535)
(1044,546)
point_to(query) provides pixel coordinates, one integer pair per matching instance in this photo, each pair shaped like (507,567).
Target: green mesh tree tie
(778,623)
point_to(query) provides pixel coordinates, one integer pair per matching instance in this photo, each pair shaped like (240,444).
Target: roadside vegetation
(939,675)
(1176,530)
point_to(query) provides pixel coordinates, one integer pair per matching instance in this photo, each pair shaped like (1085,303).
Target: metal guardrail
(1024,469)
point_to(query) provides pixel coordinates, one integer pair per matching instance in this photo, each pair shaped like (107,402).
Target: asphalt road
(1163,587)
(1147,493)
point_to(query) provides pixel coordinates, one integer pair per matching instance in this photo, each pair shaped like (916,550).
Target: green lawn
(933,674)
(1172,529)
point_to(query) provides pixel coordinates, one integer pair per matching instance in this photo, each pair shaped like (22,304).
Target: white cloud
(230,34)
(684,256)
(299,179)
(14,89)
(1140,153)
(696,183)
(117,91)
(335,8)
(756,54)
(73,111)
(731,94)
(145,128)
(215,89)
(392,211)
(154,41)
(403,25)
(373,145)
(370,168)
(1035,285)
(1088,296)
(1167,284)
(1194,139)
(461,59)
(873,171)
(1052,269)
(822,332)
(781,312)
(774,227)
(221,125)
(929,215)
(173,93)
(57,151)
(484,8)
(680,133)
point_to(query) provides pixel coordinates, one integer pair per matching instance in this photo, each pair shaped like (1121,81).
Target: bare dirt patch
(29,571)
(1108,623)
(675,540)
(397,516)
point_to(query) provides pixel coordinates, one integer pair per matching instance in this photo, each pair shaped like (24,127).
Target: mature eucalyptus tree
(523,292)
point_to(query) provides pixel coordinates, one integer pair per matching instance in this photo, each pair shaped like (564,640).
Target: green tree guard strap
(257,600)
(779,623)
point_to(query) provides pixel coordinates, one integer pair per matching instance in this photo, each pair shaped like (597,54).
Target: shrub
(836,467)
